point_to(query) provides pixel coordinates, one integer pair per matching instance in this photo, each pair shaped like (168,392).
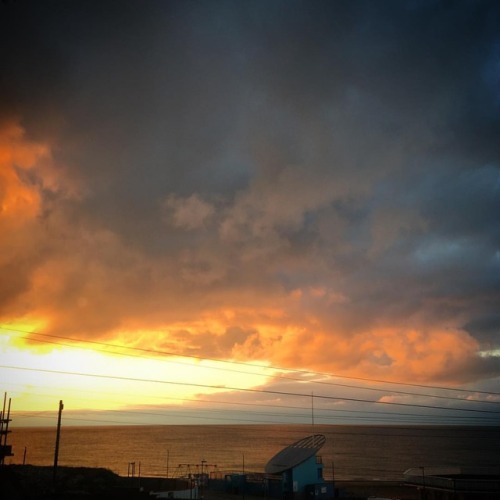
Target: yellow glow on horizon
(90,380)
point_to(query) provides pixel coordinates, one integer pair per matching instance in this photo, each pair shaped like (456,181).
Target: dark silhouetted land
(30,482)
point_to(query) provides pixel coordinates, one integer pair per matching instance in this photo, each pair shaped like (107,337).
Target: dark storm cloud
(486,329)
(338,160)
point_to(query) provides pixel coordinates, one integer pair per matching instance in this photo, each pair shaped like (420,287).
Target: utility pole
(56,452)
(333,478)
(243,480)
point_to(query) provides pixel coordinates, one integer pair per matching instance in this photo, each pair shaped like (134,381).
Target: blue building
(301,470)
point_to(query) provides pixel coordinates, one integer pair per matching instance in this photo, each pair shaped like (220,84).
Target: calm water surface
(350,452)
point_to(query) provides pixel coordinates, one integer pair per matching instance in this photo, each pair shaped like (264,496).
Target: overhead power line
(250,390)
(156,353)
(322,413)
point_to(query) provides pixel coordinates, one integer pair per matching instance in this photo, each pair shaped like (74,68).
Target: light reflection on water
(350,452)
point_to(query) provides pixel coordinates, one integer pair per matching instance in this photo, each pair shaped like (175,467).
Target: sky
(259,209)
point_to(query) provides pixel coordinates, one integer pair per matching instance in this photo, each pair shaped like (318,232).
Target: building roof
(295,454)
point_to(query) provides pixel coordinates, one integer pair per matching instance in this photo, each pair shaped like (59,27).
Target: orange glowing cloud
(401,354)
(20,201)
(27,176)
(20,207)
(79,278)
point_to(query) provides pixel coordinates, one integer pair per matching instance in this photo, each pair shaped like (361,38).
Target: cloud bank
(313,185)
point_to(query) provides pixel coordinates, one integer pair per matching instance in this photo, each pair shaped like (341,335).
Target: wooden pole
(7,423)
(58,434)
(243,480)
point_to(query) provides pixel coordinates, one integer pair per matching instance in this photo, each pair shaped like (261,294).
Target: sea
(349,453)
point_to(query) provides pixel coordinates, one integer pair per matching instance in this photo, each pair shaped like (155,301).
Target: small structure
(256,484)
(159,487)
(463,483)
(5,449)
(301,469)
